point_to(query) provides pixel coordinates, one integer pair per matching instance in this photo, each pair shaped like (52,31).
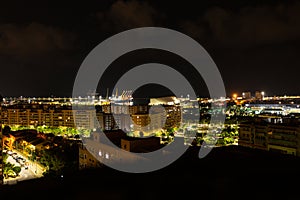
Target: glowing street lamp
(234,96)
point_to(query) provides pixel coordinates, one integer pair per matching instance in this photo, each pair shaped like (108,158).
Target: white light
(106,156)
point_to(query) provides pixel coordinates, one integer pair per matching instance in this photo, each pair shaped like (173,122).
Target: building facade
(108,117)
(282,138)
(94,151)
(246,95)
(259,95)
(86,159)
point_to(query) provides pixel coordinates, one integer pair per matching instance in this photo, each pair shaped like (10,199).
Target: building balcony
(285,135)
(284,143)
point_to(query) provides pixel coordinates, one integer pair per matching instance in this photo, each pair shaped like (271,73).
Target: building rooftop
(141,138)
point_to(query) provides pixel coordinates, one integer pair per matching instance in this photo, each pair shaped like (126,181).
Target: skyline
(139,94)
(217,101)
(253,44)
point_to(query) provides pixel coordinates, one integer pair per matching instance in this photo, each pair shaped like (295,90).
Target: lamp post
(35,168)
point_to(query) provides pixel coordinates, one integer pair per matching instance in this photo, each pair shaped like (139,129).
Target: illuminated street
(26,172)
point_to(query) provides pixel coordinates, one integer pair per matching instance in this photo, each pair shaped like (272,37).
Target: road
(33,171)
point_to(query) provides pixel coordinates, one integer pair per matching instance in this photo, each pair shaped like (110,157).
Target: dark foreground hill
(226,173)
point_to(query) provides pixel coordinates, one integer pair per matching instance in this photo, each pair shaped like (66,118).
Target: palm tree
(10,170)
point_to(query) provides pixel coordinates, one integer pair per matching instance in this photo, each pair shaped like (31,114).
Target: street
(33,169)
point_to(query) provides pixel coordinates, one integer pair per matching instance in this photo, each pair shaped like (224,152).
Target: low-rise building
(95,151)
(87,159)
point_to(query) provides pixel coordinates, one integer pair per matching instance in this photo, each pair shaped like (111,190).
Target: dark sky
(255,45)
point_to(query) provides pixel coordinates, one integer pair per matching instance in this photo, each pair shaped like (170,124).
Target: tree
(4,156)
(17,169)
(197,141)
(10,170)
(40,129)
(52,162)
(6,130)
(228,140)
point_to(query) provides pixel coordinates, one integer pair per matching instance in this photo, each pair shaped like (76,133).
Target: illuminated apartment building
(106,121)
(253,135)
(85,119)
(283,138)
(110,117)
(49,117)
(122,121)
(147,123)
(174,117)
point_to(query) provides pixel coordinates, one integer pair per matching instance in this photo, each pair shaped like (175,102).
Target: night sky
(255,45)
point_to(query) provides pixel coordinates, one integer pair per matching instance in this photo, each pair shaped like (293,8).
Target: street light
(234,96)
